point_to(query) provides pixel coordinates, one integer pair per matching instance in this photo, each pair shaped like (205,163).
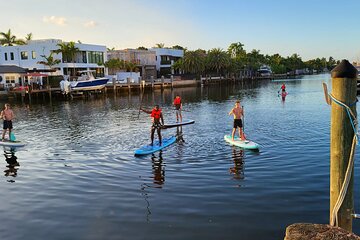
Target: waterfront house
(144,60)
(165,58)
(11,76)
(89,57)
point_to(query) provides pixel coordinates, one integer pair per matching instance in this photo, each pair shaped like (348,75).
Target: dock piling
(344,79)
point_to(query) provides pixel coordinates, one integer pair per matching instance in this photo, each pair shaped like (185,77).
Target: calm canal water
(78,177)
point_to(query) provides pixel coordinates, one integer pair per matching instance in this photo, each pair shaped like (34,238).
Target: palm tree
(68,51)
(218,60)
(110,49)
(142,48)
(10,40)
(114,65)
(192,62)
(236,50)
(28,37)
(159,45)
(49,61)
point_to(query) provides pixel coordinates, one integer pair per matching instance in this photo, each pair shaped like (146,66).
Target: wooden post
(152,81)
(162,82)
(341,136)
(114,84)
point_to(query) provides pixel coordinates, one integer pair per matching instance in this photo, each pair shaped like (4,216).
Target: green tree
(115,65)
(49,61)
(218,60)
(236,50)
(68,51)
(159,45)
(7,39)
(142,48)
(178,47)
(110,49)
(29,37)
(193,62)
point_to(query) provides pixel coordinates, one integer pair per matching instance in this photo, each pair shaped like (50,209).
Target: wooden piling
(341,136)
(162,83)
(152,81)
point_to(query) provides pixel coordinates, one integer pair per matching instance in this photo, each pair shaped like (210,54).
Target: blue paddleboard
(156,147)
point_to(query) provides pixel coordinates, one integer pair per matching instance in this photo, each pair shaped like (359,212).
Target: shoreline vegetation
(234,61)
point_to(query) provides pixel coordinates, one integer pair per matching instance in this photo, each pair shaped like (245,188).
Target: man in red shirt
(157,122)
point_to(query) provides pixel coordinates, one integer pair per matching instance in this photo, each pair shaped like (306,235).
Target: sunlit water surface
(78,177)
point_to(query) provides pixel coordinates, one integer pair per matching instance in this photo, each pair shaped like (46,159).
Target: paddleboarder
(238,113)
(283,88)
(7,115)
(157,122)
(178,108)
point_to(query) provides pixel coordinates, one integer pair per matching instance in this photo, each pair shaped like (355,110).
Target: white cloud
(61,21)
(90,24)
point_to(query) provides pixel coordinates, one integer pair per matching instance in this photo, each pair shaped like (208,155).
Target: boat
(87,82)
(265,71)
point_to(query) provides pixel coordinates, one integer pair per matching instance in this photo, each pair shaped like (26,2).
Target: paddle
(142,97)
(243,122)
(12,137)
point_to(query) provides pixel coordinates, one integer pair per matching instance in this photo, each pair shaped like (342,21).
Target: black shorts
(7,124)
(156,125)
(237,123)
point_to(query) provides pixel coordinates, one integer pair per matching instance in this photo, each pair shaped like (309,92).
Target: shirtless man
(7,115)
(238,113)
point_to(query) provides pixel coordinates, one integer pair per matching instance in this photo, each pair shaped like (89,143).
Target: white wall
(121,77)
(166,52)
(44,47)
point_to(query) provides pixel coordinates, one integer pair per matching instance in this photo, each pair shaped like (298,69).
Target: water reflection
(158,170)
(13,164)
(238,169)
(179,135)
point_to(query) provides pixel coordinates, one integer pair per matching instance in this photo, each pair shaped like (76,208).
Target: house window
(33,55)
(6,57)
(95,57)
(10,79)
(24,55)
(11,56)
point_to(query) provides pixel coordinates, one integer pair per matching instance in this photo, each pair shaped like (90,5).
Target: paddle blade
(12,137)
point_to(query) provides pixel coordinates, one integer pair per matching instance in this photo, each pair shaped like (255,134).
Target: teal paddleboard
(246,144)
(148,149)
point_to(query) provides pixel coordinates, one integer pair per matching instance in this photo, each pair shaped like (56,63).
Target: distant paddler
(238,113)
(178,108)
(283,88)
(157,122)
(7,115)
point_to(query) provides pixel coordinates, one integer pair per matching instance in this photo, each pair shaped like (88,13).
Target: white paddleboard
(8,143)
(246,144)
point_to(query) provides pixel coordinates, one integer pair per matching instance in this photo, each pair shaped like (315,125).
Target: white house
(165,58)
(27,56)
(11,76)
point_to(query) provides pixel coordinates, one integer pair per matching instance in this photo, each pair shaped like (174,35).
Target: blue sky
(311,28)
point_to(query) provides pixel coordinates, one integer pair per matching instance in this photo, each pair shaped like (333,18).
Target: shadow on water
(238,158)
(12,167)
(158,179)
